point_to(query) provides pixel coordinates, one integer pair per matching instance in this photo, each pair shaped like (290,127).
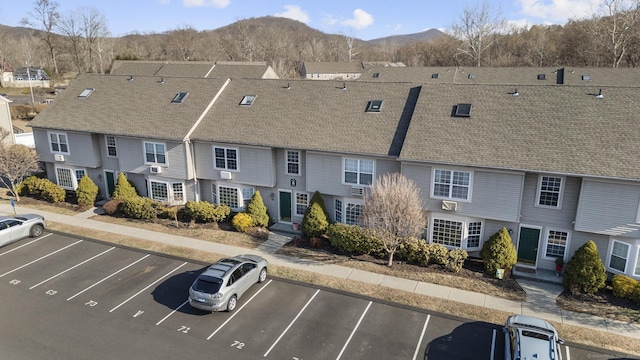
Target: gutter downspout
(189,148)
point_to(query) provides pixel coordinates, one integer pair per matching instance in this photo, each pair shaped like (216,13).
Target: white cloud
(206,3)
(361,19)
(558,11)
(329,20)
(294,12)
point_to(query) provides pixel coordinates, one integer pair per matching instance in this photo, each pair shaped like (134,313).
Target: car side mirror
(560,341)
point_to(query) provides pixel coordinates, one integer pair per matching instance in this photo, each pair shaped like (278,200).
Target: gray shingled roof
(559,129)
(313,115)
(194,69)
(337,67)
(238,71)
(141,107)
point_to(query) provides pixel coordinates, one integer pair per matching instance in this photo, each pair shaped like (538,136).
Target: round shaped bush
(242,222)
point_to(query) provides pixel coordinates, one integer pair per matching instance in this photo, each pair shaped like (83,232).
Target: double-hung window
(110,140)
(225,158)
(235,198)
(293,162)
(556,243)
(619,256)
(155,153)
(451,184)
(463,233)
(302,202)
(358,172)
(550,191)
(58,143)
(348,211)
(167,192)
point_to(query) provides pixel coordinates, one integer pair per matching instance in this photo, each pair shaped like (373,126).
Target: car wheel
(232,303)
(263,275)
(36,230)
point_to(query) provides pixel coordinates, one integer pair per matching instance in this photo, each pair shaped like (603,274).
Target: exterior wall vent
(226,175)
(357,191)
(449,205)
(58,157)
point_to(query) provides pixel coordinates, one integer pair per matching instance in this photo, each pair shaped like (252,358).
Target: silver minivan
(220,286)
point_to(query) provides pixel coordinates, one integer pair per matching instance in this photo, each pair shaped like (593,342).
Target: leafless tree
(351,48)
(45,18)
(477,30)
(17,162)
(616,27)
(181,43)
(94,27)
(70,27)
(392,211)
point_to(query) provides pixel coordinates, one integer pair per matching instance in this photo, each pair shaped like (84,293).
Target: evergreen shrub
(585,272)
(257,210)
(498,252)
(86,192)
(242,222)
(124,189)
(315,222)
(205,212)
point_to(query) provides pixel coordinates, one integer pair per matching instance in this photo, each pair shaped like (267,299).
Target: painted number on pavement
(238,345)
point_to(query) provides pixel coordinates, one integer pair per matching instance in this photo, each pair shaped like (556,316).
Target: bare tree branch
(17,162)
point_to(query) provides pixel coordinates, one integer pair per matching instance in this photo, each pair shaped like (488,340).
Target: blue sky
(363,19)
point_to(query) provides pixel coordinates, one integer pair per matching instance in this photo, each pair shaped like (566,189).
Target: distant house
(331,70)
(6,125)
(552,156)
(25,77)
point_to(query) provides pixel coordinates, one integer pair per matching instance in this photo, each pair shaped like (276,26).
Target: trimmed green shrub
(204,212)
(316,198)
(623,286)
(456,260)
(353,239)
(498,252)
(315,221)
(414,251)
(124,189)
(242,222)
(86,192)
(139,208)
(585,271)
(43,189)
(438,254)
(257,210)
(111,207)
(27,186)
(635,296)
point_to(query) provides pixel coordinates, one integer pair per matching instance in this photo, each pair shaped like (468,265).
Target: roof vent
(288,87)
(586,77)
(130,78)
(161,80)
(435,75)
(344,86)
(376,75)
(462,110)
(472,76)
(600,96)
(515,93)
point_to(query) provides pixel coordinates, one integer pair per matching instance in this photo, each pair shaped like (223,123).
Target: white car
(527,337)
(14,228)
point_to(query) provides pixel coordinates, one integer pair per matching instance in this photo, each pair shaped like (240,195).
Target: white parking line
(124,268)
(38,259)
(568,354)
(291,323)
(23,245)
(354,331)
(171,313)
(237,311)
(71,268)
(493,345)
(424,329)
(148,286)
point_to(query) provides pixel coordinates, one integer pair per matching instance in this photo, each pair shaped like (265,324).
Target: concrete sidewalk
(540,302)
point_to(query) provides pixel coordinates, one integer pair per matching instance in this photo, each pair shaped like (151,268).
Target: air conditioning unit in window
(449,205)
(226,175)
(58,157)
(155,169)
(357,191)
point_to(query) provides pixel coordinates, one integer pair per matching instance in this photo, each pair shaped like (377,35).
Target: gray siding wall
(131,158)
(283,181)
(609,208)
(324,172)
(83,152)
(110,163)
(543,216)
(256,165)
(494,195)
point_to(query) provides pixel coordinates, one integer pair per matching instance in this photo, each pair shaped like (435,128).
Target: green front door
(528,245)
(111,182)
(285,206)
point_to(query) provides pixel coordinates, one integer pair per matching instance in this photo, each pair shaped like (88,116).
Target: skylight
(462,110)
(472,76)
(586,77)
(435,75)
(376,75)
(542,77)
(86,92)
(374,106)
(247,100)
(179,98)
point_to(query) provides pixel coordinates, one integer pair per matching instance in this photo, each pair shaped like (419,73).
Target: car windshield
(207,284)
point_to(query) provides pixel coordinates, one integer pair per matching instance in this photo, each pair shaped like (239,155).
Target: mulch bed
(603,304)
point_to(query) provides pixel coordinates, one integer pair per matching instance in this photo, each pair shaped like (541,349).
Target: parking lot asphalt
(181,273)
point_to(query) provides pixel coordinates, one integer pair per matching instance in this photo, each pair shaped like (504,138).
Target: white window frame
(73,174)
(338,210)
(287,162)
(304,204)
(610,254)
(155,153)
(226,158)
(114,146)
(58,142)
(358,171)
(636,268)
(243,194)
(451,185)
(560,191)
(547,244)
(464,233)
(169,186)
(346,202)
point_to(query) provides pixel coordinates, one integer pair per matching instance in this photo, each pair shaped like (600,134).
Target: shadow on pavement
(469,341)
(174,291)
